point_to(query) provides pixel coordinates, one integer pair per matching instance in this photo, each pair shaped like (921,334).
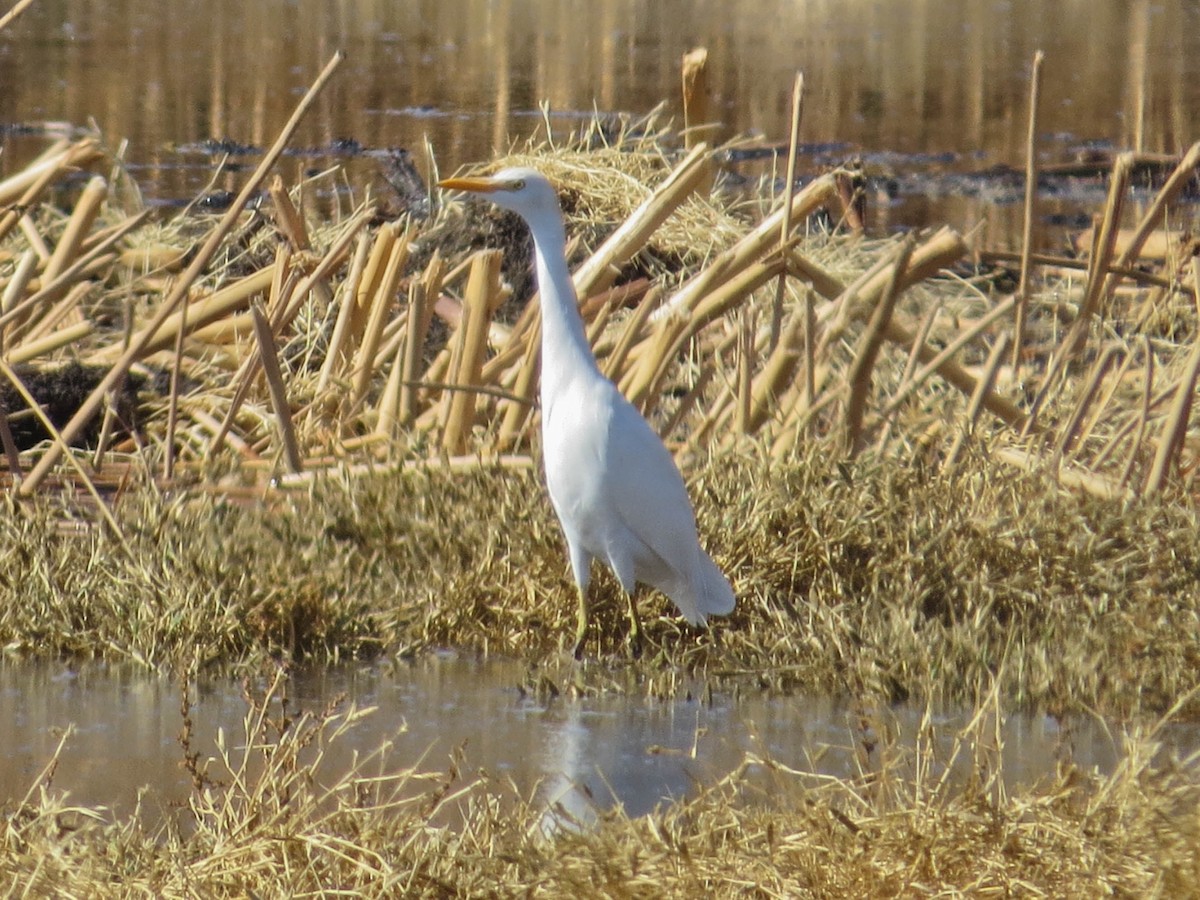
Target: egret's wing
(648,493)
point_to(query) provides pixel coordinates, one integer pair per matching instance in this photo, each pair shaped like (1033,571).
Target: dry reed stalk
(1179,178)
(13,290)
(21,191)
(348,294)
(785,225)
(173,396)
(482,296)
(910,364)
(422,292)
(379,304)
(11,454)
(598,270)
(1068,263)
(56,340)
(987,378)
(1031,179)
(1143,421)
(518,415)
(821,280)
(51,319)
(86,209)
(92,263)
(203,257)
(751,248)
(938,361)
(60,441)
(1070,429)
(1170,442)
(835,318)
(11,16)
(659,351)
(287,218)
(777,372)
(34,238)
(1098,273)
(631,334)
(694,71)
(162,331)
(1068,476)
(276,388)
(464,463)
(747,326)
(1098,414)
(859,376)
(368,286)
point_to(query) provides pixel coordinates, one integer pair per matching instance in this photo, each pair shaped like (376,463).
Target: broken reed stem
(987,378)
(9,17)
(785,226)
(173,399)
(1179,179)
(1142,420)
(745,368)
(379,304)
(480,298)
(939,360)
(910,365)
(1031,184)
(20,192)
(82,217)
(777,373)
(1175,425)
(88,409)
(694,73)
(1068,476)
(276,387)
(1099,370)
(631,333)
(859,376)
(348,297)
(422,296)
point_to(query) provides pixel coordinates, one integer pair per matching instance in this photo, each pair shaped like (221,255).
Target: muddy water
(920,88)
(583,755)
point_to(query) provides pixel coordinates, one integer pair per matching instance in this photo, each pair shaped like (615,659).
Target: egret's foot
(580,640)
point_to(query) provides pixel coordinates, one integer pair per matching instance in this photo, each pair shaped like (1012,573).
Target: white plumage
(614,486)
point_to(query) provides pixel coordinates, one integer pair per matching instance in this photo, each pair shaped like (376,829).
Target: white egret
(613,485)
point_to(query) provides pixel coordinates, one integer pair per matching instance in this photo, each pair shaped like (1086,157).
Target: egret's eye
(519,184)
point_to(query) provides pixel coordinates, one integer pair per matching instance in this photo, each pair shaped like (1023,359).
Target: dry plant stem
(745,368)
(173,399)
(631,333)
(1031,180)
(277,388)
(778,372)
(974,407)
(1070,430)
(859,376)
(60,441)
(1101,409)
(92,262)
(517,416)
(30,350)
(420,312)
(751,248)
(1174,185)
(380,305)
(287,218)
(1068,476)
(1175,424)
(481,298)
(82,217)
(203,257)
(910,365)
(937,361)
(348,294)
(694,72)
(1142,421)
(623,244)
(785,227)
(9,17)
(1082,265)
(1106,238)
(21,191)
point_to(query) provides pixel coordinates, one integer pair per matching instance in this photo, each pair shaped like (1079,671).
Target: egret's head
(524,191)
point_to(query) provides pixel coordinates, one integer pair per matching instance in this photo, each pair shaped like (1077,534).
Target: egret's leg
(581,568)
(635,627)
(581,623)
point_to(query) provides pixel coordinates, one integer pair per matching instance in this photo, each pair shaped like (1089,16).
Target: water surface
(585,754)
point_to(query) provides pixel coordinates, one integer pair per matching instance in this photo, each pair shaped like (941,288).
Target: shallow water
(922,89)
(584,755)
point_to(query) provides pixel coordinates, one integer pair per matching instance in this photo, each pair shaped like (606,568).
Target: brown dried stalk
(276,387)
(1031,178)
(482,296)
(204,255)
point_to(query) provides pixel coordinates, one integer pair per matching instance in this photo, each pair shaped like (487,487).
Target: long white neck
(565,349)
